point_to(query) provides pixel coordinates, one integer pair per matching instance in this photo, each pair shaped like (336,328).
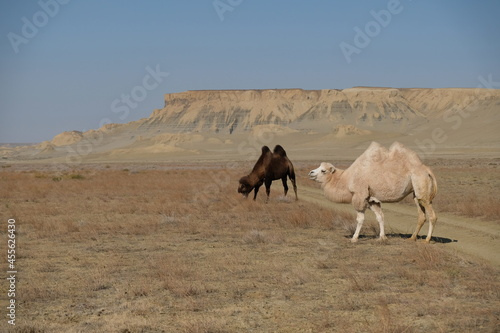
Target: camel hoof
(383,239)
(354,240)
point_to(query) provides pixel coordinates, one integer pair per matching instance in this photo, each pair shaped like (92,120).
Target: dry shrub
(300,219)
(352,302)
(471,205)
(172,267)
(425,265)
(427,257)
(297,276)
(177,276)
(482,280)
(183,288)
(255,237)
(386,321)
(97,278)
(487,208)
(358,281)
(34,290)
(324,262)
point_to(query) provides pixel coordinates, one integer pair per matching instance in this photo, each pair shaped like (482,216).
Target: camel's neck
(253,178)
(336,188)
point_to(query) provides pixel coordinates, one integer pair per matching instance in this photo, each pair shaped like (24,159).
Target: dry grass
(468,189)
(175,251)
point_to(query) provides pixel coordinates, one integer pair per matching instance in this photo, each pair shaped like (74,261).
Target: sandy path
(470,236)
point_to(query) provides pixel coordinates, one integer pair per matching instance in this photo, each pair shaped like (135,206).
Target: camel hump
(280,151)
(399,149)
(265,150)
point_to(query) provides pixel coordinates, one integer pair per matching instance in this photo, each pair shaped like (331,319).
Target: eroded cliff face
(240,110)
(194,123)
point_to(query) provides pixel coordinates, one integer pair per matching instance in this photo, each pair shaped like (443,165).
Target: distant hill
(205,123)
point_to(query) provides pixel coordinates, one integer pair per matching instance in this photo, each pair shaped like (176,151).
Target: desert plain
(138,227)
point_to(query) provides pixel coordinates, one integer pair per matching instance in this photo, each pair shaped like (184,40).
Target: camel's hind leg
(292,179)
(425,189)
(431,216)
(420,219)
(425,212)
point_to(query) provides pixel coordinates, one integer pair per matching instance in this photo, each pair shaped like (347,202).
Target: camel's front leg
(285,185)
(359,203)
(360,219)
(377,209)
(255,191)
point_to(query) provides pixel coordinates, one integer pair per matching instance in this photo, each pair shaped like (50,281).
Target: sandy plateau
(138,227)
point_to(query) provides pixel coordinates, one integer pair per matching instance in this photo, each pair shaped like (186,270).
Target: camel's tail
(291,175)
(291,171)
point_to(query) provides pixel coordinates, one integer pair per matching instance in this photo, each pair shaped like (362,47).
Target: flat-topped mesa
(239,110)
(230,110)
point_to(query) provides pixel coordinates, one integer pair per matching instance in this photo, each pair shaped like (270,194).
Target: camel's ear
(327,167)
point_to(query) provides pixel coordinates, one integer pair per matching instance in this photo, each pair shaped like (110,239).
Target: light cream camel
(381,175)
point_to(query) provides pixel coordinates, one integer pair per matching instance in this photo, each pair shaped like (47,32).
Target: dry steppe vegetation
(133,249)
(471,190)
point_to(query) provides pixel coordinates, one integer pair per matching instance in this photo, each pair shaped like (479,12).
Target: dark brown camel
(269,167)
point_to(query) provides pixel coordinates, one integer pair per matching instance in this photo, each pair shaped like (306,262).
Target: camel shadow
(441,240)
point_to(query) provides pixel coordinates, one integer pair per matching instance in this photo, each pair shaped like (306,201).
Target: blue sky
(70,64)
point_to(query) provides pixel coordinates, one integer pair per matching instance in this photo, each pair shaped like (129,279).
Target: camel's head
(320,174)
(244,187)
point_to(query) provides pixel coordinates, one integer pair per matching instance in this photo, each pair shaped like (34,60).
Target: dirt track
(470,236)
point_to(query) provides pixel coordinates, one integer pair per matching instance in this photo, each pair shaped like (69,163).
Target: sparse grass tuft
(28,329)
(255,237)
(359,282)
(204,324)
(387,322)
